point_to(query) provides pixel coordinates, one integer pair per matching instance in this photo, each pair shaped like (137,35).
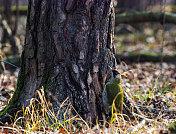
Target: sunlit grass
(39,117)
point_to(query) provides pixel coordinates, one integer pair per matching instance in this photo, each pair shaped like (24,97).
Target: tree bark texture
(68,48)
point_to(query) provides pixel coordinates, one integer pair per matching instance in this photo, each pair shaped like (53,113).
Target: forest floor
(150,86)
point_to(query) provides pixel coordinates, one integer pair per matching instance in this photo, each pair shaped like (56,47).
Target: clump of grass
(39,116)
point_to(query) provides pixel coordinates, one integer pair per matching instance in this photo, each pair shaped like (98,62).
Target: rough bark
(68,47)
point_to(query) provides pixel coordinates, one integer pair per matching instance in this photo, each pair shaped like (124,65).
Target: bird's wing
(105,95)
(105,100)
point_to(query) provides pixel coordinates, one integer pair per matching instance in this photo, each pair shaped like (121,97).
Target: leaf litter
(152,86)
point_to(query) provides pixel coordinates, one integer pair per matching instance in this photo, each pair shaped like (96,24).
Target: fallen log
(141,17)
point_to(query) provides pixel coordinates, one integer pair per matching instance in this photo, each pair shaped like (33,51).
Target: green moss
(46,79)
(149,54)
(132,37)
(21,8)
(13,8)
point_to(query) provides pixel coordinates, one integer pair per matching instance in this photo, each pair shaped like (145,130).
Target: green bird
(113,92)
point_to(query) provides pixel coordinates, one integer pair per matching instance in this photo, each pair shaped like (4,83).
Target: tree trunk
(68,48)
(7,16)
(7,11)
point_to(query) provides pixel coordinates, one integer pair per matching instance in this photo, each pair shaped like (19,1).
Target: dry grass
(142,84)
(40,118)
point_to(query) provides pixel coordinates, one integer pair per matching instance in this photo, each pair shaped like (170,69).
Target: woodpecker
(113,91)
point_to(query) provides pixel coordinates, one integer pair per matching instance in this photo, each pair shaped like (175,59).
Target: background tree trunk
(7,11)
(68,47)
(7,16)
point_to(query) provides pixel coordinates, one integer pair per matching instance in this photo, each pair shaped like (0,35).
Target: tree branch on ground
(141,17)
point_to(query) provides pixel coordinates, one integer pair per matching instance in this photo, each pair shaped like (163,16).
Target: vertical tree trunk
(7,16)
(7,10)
(68,47)
(16,18)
